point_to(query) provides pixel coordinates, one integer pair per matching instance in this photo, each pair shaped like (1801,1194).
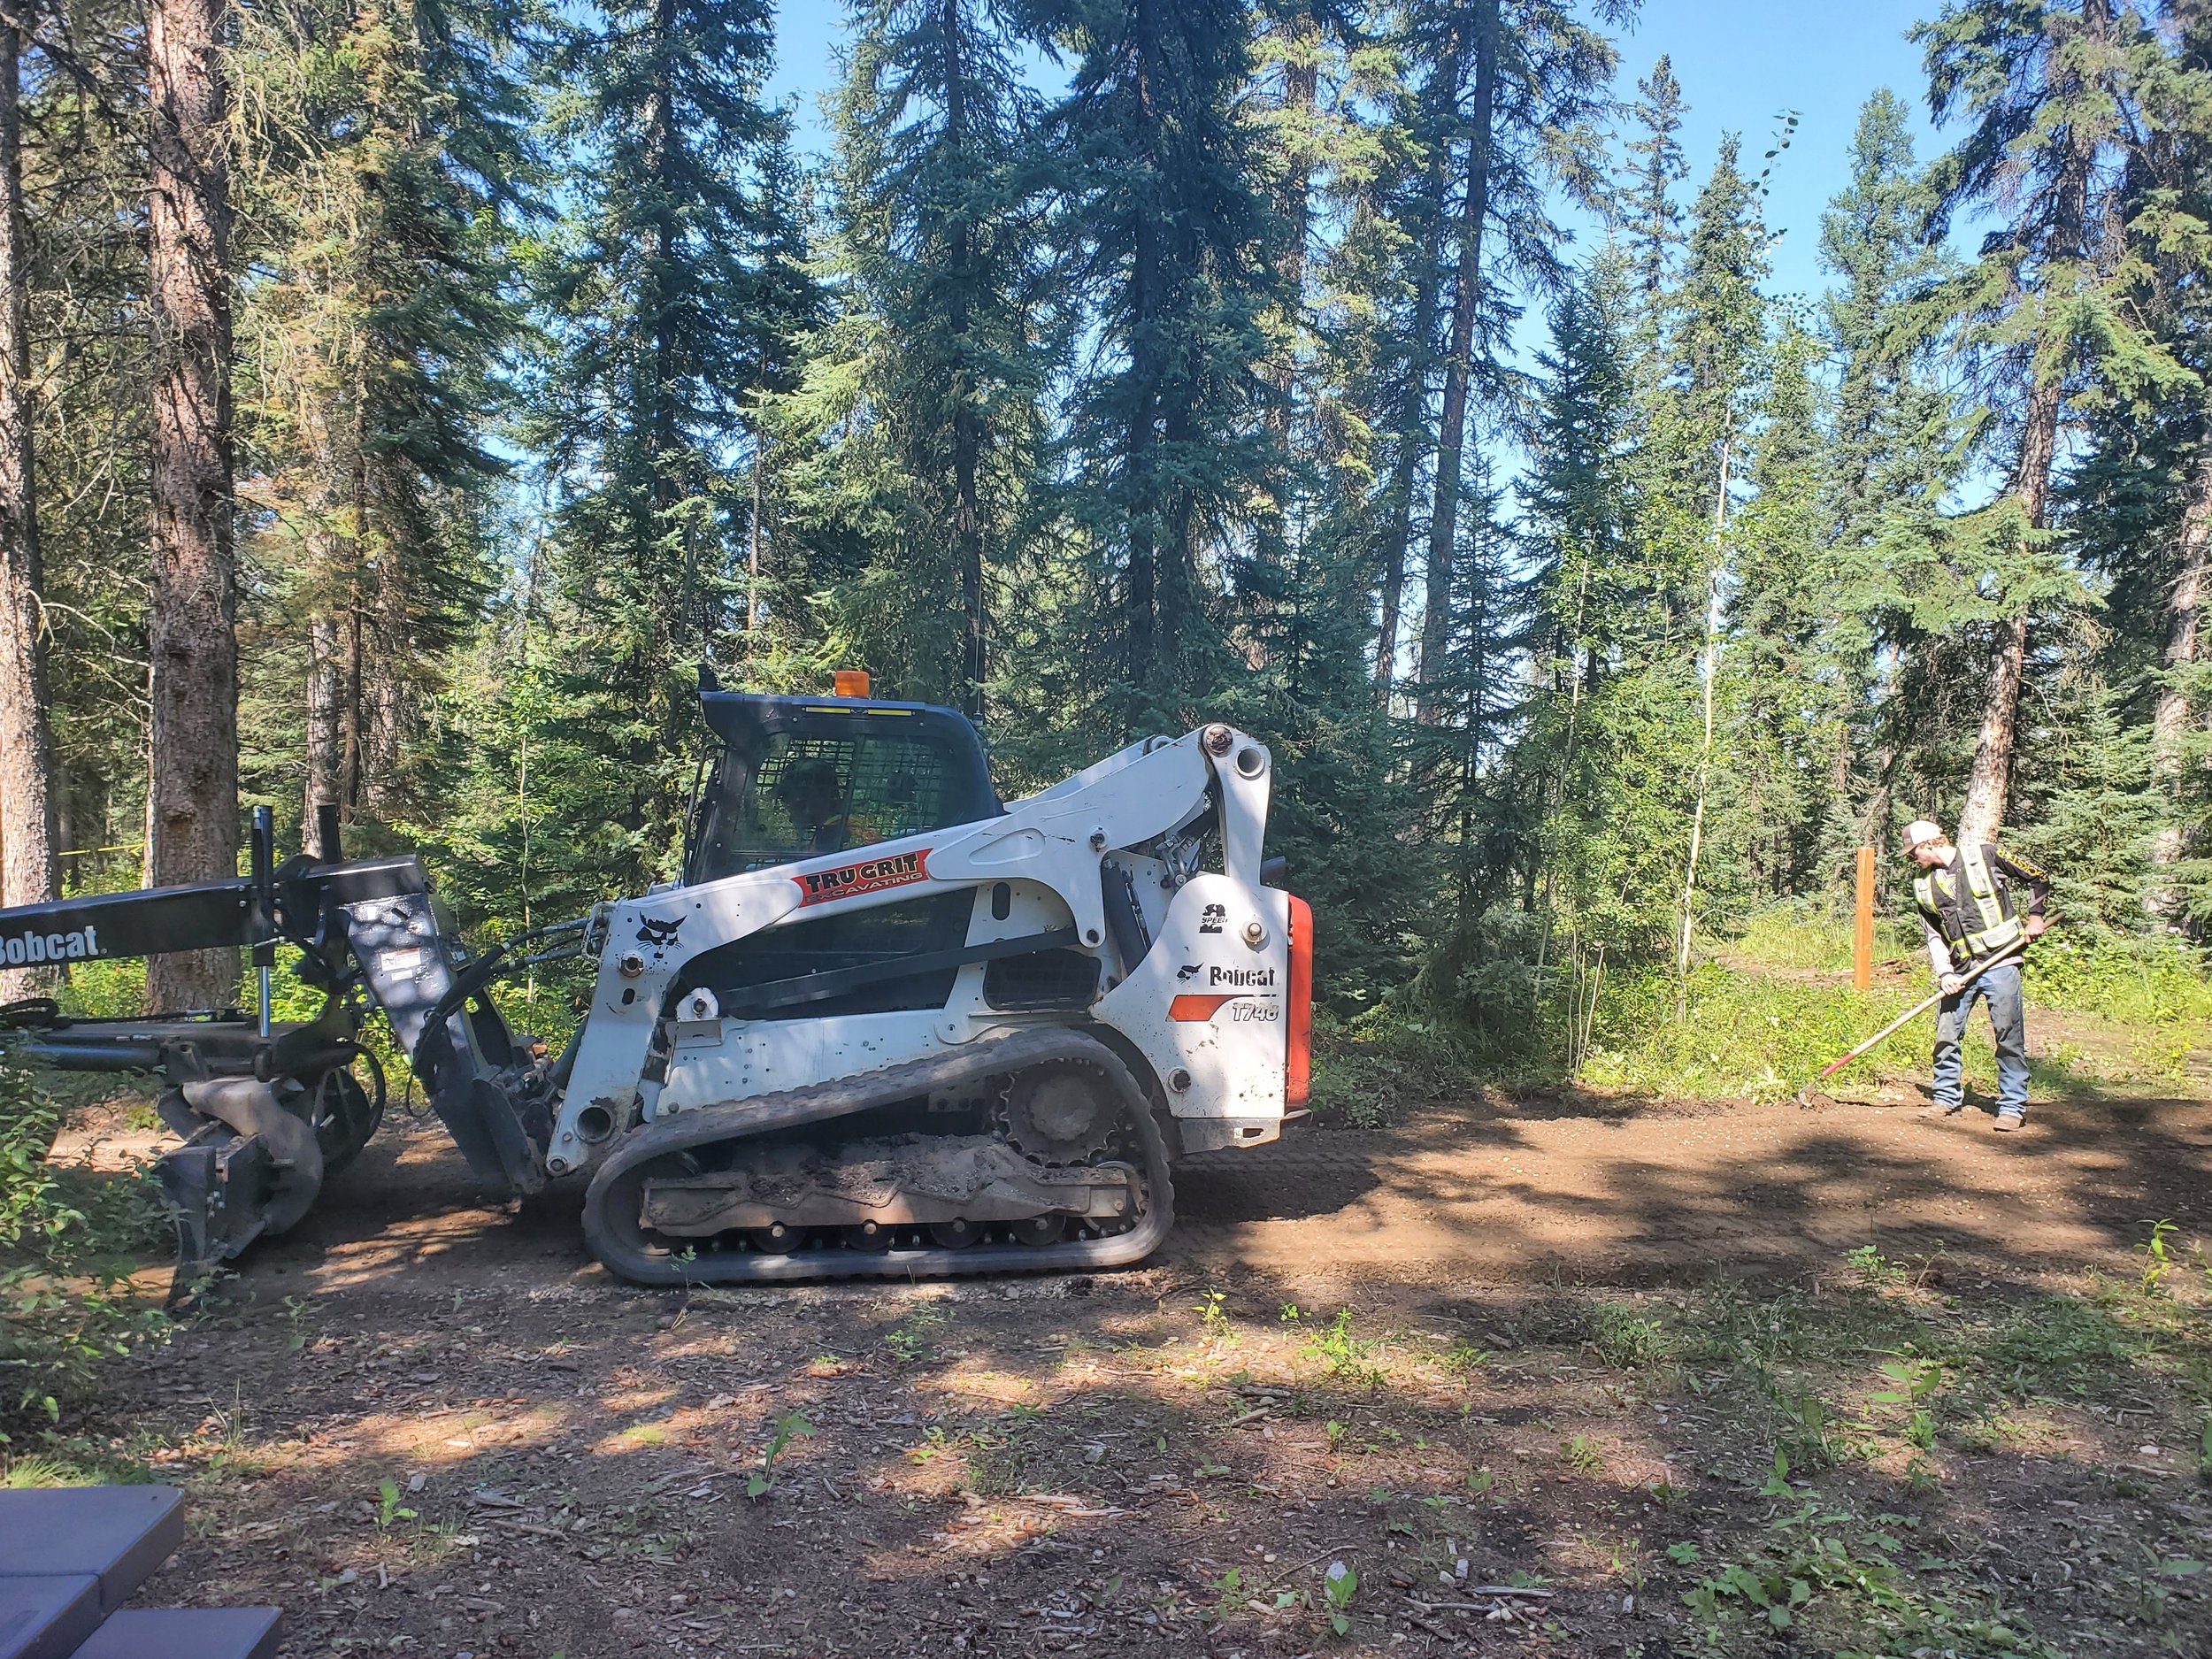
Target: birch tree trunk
(1705,748)
(27,870)
(192,791)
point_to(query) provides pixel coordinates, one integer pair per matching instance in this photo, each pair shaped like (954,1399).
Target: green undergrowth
(1735,1035)
(1729,1033)
(1760,1018)
(1809,937)
(2158,983)
(69,1239)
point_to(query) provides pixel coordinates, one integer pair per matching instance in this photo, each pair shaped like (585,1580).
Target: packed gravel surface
(1512,1375)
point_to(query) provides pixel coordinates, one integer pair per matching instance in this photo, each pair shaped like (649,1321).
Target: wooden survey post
(1862,929)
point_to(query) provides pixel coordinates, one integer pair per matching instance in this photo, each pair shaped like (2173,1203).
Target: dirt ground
(1510,1376)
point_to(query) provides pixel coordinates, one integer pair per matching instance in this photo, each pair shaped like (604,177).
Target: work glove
(1953,984)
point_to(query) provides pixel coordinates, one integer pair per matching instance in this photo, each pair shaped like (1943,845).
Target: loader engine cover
(901,1181)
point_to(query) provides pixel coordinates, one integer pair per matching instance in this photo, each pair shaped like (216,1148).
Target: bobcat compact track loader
(883,1025)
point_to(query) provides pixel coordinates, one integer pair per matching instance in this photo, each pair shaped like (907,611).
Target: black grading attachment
(268,1108)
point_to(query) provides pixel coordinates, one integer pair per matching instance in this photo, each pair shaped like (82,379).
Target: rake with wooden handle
(2009,953)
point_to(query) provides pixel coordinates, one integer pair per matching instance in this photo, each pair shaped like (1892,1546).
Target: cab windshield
(814,793)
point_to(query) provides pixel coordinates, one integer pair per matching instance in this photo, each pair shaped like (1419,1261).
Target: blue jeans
(2000,987)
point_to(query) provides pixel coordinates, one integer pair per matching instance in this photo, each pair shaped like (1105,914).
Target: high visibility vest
(2000,926)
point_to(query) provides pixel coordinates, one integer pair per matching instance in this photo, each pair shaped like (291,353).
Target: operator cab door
(799,778)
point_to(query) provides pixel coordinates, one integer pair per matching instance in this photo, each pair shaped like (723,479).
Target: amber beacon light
(849,682)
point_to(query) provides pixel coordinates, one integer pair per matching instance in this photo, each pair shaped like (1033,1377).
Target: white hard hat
(1921,829)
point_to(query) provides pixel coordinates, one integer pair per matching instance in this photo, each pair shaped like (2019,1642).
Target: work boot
(1937,1108)
(2007,1122)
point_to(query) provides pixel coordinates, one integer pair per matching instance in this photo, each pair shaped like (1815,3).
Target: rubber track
(611,1205)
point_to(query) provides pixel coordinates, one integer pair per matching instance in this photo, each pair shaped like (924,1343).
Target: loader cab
(796,778)
(799,778)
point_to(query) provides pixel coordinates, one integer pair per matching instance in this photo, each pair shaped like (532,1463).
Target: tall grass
(1738,1035)
(1807,936)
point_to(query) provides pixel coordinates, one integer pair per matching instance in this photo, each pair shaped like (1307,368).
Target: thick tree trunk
(326,690)
(2170,716)
(1440,97)
(1140,597)
(1988,785)
(967,420)
(27,873)
(1436,616)
(192,793)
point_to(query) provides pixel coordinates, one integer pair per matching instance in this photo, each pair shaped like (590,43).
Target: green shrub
(104,990)
(1627,1339)
(68,1240)
(1366,1070)
(2159,982)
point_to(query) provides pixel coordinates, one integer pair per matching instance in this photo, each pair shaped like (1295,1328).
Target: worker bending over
(1967,910)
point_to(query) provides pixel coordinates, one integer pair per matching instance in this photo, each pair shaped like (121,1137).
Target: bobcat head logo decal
(658,934)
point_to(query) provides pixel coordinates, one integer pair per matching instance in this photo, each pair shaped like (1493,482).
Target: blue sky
(1741,62)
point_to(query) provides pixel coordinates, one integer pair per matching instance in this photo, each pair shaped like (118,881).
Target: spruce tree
(1538,80)
(1889,423)
(1650,222)
(84,161)
(2046,93)
(671,299)
(1162,234)
(2142,498)
(1576,493)
(935,230)
(392,139)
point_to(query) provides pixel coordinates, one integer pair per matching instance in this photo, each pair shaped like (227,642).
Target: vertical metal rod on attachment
(264,906)
(1862,930)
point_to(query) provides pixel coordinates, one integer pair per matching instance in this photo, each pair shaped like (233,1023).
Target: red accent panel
(1298,1018)
(1196,1009)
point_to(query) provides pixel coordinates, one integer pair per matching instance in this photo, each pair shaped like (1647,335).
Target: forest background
(1386,379)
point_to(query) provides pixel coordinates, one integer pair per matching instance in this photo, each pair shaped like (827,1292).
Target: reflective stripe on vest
(1997,930)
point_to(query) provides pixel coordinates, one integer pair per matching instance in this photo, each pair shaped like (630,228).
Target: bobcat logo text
(17,949)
